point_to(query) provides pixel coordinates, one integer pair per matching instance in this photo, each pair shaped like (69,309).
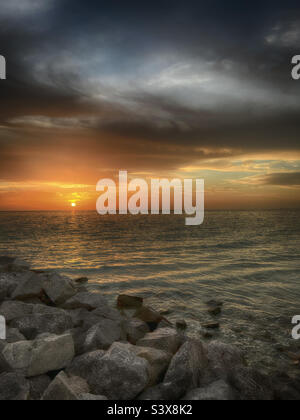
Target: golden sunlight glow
(73,204)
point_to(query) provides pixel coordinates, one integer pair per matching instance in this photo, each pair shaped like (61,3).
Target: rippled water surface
(249,260)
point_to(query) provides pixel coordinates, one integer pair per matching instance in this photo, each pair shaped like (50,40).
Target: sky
(193,89)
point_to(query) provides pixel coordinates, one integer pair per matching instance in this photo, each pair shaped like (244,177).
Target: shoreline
(67,343)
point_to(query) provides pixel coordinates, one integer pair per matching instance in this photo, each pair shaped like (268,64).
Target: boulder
(211,325)
(46,354)
(30,286)
(102,335)
(223,358)
(14,387)
(83,366)
(125,301)
(119,374)
(91,397)
(59,289)
(13,335)
(135,329)
(187,367)
(8,284)
(109,313)
(33,325)
(166,339)
(86,300)
(150,316)
(158,362)
(160,392)
(38,386)
(65,388)
(217,391)
(13,310)
(250,384)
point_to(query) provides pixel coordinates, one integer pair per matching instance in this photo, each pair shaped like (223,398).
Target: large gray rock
(13,335)
(166,339)
(223,358)
(14,387)
(109,313)
(160,392)
(30,286)
(119,374)
(217,391)
(8,284)
(91,397)
(135,330)
(59,289)
(187,368)
(38,386)
(102,335)
(13,310)
(250,384)
(158,362)
(83,366)
(65,388)
(33,325)
(34,358)
(88,300)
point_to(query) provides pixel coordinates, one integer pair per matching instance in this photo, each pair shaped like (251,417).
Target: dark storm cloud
(169,78)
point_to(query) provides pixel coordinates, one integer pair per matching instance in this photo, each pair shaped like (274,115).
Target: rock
(64,388)
(8,284)
(13,387)
(250,384)
(160,392)
(158,362)
(33,325)
(91,397)
(164,324)
(125,301)
(285,388)
(83,366)
(4,366)
(120,374)
(13,310)
(215,310)
(181,324)
(88,300)
(135,329)
(13,335)
(187,368)
(108,313)
(211,325)
(34,358)
(81,280)
(148,315)
(223,359)
(102,335)
(166,339)
(78,316)
(217,391)
(9,264)
(31,286)
(59,289)
(38,386)
(78,335)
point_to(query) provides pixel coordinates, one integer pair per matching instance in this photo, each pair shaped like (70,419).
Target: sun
(73,204)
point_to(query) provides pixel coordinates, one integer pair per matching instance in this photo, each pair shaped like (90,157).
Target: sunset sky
(199,89)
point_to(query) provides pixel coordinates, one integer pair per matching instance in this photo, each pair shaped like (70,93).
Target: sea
(249,260)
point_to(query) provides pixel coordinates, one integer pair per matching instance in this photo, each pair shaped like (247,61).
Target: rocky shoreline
(64,342)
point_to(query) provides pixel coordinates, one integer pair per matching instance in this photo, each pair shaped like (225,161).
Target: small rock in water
(181,324)
(214,303)
(82,280)
(125,301)
(212,325)
(215,310)
(207,334)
